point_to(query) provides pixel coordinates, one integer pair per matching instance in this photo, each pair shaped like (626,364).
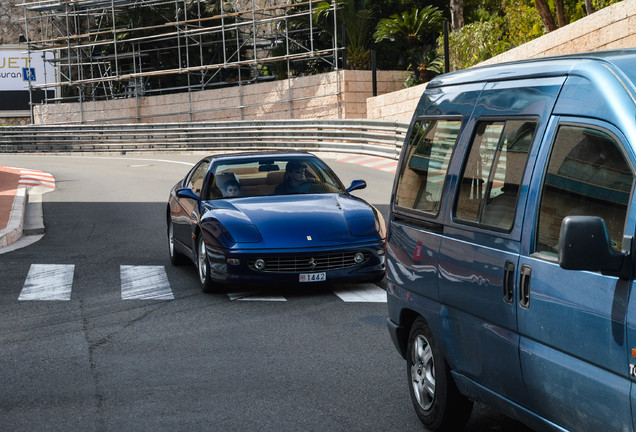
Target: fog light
(259,264)
(233,261)
(358,258)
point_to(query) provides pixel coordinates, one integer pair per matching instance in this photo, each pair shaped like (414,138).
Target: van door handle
(509,282)
(524,286)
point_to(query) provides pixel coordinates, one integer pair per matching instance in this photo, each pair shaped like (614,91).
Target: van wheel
(203,266)
(438,403)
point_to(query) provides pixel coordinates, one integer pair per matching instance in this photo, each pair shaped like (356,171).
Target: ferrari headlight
(259,264)
(358,258)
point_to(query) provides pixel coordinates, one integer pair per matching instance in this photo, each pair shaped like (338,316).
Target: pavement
(21,203)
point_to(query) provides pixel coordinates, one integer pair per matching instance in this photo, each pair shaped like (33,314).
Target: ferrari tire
(203,266)
(437,401)
(175,257)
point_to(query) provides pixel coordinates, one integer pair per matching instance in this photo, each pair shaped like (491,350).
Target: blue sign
(28,74)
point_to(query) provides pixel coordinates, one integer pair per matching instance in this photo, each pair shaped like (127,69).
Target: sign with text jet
(19,69)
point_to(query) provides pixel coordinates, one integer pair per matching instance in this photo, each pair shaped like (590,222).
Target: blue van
(510,249)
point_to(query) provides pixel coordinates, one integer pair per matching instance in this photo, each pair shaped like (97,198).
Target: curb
(13,231)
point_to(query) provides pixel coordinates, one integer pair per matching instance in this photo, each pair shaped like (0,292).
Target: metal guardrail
(372,137)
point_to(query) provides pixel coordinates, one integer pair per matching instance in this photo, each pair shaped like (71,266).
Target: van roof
(621,60)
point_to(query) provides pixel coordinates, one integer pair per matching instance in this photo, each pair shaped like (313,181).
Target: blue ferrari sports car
(274,218)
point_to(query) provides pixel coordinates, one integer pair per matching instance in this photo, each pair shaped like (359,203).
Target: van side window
(429,153)
(489,186)
(587,175)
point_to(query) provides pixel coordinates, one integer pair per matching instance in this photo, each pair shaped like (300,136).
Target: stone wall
(11,22)
(399,105)
(18,120)
(332,95)
(611,28)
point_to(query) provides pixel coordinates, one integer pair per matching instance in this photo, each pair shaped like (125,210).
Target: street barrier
(372,137)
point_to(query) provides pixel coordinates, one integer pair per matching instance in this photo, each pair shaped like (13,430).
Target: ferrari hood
(292,221)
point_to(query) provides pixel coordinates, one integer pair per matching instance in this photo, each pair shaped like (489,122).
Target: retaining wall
(340,94)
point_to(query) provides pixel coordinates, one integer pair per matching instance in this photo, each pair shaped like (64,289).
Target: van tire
(437,401)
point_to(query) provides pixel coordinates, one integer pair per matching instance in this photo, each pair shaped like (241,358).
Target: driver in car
(294,175)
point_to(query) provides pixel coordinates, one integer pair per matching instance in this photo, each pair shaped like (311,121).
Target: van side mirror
(584,244)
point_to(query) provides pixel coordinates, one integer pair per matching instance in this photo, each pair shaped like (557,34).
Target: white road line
(366,293)
(48,282)
(145,283)
(254,296)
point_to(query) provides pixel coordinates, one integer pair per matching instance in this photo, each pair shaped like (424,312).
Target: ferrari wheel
(203,265)
(437,401)
(175,257)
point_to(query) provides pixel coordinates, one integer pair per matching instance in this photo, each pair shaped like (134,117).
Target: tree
(457,14)
(358,17)
(523,22)
(477,42)
(417,29)
(546,15)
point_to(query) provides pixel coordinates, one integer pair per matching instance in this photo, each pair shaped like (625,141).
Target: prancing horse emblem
(312,263)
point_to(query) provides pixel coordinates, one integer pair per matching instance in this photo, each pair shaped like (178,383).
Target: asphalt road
(270,361)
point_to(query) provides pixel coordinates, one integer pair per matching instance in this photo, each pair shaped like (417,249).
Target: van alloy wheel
(423,372)
(436,399)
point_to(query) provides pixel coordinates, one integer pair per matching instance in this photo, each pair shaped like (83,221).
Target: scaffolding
(108,49)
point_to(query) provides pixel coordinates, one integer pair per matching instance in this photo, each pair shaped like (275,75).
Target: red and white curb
(13,231)
(383,164)
(32,178)
(34,183)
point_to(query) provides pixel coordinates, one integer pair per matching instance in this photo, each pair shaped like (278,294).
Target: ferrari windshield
(242,177)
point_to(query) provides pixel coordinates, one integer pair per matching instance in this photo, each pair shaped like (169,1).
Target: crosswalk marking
(48,282)
(55,282)
(367,293)
(145,283)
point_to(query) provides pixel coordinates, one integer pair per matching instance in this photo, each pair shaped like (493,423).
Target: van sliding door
(479,256)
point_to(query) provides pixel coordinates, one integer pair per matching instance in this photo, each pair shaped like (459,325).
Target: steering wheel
(311,186)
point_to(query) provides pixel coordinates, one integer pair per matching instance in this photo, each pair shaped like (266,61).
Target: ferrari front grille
(305,264)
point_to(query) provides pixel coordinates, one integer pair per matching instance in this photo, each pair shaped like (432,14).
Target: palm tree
(414,28)
(359,20)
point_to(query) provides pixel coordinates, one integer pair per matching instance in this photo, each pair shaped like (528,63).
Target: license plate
(312,277)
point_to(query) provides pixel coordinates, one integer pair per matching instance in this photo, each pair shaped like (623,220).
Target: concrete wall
(611,28)
(340,94)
